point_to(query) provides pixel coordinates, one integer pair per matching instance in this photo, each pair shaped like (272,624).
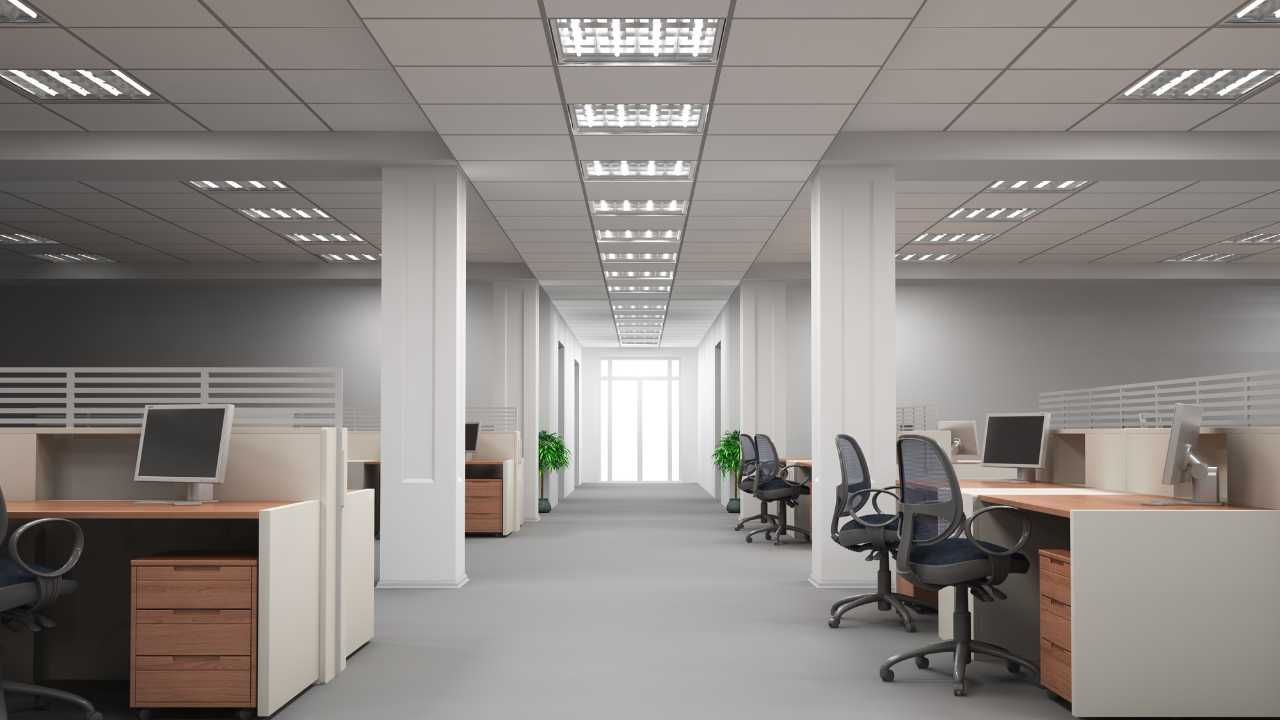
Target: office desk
(129,510)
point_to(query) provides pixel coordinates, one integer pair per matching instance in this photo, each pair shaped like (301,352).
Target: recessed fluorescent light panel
(638,343)
(325,237)
(1203,258)
(926,257)
(350,257)
(78,84)
(952,237)
(215,185)
(1199,84)
(1256,11)
(637,117)
(72,258)
(605,208)
(639,323)
(639,288)
(17,11)
(660,257)
(637,40)
(280,214)
(640,274)
(17,238)
(638,236)
(1037,185)
(637,316)
(1261,238)
(990,214)
(637,169)
(641,306)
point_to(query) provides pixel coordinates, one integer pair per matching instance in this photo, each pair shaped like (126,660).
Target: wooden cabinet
(484,501)
(1055,621)
(194,632)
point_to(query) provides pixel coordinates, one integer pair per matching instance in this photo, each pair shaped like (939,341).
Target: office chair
(938,549)
(25,590)
(747,481)
(772,486)
(875,533)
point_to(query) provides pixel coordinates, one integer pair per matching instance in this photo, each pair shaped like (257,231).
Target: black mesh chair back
(854,476)
(932,507)
(747,465)
(768,459)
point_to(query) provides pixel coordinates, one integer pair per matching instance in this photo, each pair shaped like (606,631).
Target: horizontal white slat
(1228,400)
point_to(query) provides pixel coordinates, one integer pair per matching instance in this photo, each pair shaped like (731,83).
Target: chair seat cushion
(855,534)
(12,574)
(777,489)
(956,560)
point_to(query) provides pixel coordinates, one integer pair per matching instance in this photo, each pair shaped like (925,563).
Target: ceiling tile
(499,171)
(31,117)
(373,118)
(745,119)
(1234,186)
(347,86)
(251,116)
(637,84)
(321,48)
(1146,13)
(792,85)
(510,147)
(1109,200)
(826,8)
(171,48)
(629,8)
(818,42)
(959,47)
(482,85)
(753,170)
(128,13)
(1149,116)
(902,116)
(1020,116)
(1247,116)
(462,42)
(1203,200)
(1065,86)
(29,47)
(1136,48)
(492,191)
(1138,186)
(446,8)
(989,13)
(1231,47)
(928,86)
(500,119)
(285,13)
(640,147)
(711,190)
(133,116)
(230,86)
(765,147)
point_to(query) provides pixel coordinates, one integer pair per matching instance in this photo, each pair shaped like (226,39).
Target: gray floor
(641,602)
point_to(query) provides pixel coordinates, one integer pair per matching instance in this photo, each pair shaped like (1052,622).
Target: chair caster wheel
(768,536)
(886,674)
(1014,668)
(246,714)
(958,692)
(144,715)
(748,538)
(95,715)
(833,623)
(922,663)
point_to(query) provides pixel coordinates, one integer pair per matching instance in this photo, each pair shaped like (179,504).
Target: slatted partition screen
(494,419)
(115,396)
(1236,400)
(913,417)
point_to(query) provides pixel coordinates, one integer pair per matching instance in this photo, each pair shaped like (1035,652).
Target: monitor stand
(1027,475)
(197,494)
(1204,485)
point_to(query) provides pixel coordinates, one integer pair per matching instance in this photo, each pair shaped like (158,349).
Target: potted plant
(553,455)
(727,457)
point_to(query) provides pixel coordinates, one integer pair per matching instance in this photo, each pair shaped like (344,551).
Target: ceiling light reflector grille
(1198,84)
(637,40)
(637,169)
(77,84)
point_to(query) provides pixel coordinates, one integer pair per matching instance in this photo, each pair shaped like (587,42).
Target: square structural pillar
(424,344)
(853,347)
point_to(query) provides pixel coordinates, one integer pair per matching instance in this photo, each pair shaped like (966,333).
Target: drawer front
(227,688)
(1055,565)
(199,594)
(196,572)
(192,662)
(483,523)
(1053,627)
(484,488)
(1055,669)
(1055,586)
(189,616)
(1055,607)
(192,639)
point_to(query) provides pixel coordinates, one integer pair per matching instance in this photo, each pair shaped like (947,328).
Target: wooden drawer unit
(1055,621)
(484,504)
(194,632)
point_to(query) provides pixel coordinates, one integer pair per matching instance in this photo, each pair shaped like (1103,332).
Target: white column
(763,333)
(424,252)
(853,353)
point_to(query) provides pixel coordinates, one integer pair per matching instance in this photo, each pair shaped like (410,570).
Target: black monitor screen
(1013,440)
(473,432)
(181,443)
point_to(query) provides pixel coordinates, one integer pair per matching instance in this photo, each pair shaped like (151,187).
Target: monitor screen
(1015,440)
(473,433)
(179,443)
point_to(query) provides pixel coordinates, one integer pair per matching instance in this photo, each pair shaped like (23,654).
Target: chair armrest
(784,469)
(1022,541)
(76,551)
(875,494)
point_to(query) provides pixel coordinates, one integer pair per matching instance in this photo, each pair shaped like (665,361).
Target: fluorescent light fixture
(639,288)
(1256,11)
(642,306)
(644,274)
(17,238)
(659,236)
(19,11)
(628,315)
(286,214)
(72,258)
(632,257)
(952,237)
(965,214)
(1199,84)
(1257,238)
(1031,186)
(605,208)
(637,117)
(637,169)
(325,237)
(1203,257)
(639,323)
(925,257)
(638,343)
(637,40)
(350,257)
(216,185)
(77,84)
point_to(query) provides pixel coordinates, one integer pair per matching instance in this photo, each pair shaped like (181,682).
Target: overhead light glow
(350,257)
(215,185)
(925,257)
(1031,186)
(1199,84)
(638,117)
(642,306)
(638,236)
(51,85)
(1203,257)
(73,258)
(952,237)
(1260,238)
(324,237)
(637,169)
(647,274)
(965,214)
(637,40)
(1256,11)
(17,238)
(286,214)
(638,207)
(648,257)
(17,11)
(639,288)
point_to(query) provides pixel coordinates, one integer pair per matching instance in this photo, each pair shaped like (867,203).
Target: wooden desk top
(130,510)
(1062,505)
(799,462)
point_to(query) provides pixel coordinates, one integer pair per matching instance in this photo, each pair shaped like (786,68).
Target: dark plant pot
(544,505)
(734,506)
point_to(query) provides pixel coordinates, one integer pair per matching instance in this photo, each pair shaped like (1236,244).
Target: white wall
(553,331)
(723,331)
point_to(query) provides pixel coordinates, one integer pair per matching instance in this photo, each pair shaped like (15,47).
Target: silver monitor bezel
(228,419)
(1044,439)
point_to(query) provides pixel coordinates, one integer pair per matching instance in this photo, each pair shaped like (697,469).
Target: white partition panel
(288,603)
(357,570)
(1173,613)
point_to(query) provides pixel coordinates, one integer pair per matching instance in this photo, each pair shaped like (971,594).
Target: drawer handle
(194,611)
(1056,646)
(197,568)
(1053,601)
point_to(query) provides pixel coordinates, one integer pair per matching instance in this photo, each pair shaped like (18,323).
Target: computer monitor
(964,438)
(185,444)
(1182,465)
(473,434)
(1016,440)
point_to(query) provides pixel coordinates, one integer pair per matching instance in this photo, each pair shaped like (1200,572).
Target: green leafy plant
(553,455)
(727,457)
